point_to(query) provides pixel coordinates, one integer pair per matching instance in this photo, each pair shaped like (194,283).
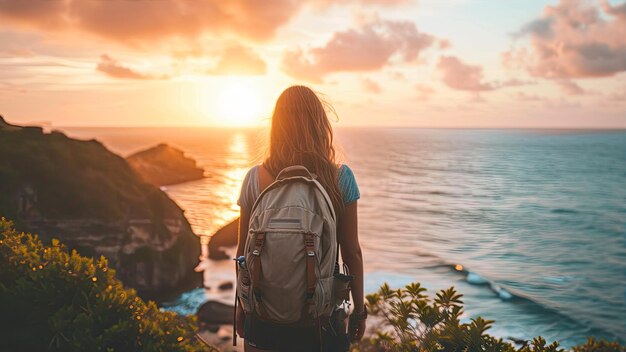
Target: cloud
(514,82)
(570,87)
(141,21)
(460,76)
(371,86)
(541,27)
(618,96)
(619,10)
(367,48)
(326,3)
(113,68)
(397,75)
(574,39)
(522,96)
(444,44)
(238,60)
(424,91)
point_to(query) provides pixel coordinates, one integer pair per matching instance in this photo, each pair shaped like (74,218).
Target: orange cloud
(239,60)
(367,48)
(113,68)
(570,87)
(139,21)
(574,39)
(460,76)
(526,97)
(325,3)
(424,91)
(371,86)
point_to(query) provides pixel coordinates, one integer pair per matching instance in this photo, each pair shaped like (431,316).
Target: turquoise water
(536,218)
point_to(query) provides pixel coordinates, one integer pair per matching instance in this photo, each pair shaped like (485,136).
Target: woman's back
(300,134)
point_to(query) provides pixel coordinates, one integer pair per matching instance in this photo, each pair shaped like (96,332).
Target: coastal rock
(215,313)
(226,285)
(224,237)
(91,199)
(165,165)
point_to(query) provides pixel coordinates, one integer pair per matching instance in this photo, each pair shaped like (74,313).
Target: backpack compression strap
(256,271)
(311,278)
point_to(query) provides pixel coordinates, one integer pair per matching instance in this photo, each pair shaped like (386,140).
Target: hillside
(92,199)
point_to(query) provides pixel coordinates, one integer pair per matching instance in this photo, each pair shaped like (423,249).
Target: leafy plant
(51,299)
(410,321)
(594,345)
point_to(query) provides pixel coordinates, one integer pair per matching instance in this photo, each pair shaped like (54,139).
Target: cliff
(165,165)
(5,126)
(94,202)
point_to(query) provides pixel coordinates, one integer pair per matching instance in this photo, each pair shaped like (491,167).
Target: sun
(238,102)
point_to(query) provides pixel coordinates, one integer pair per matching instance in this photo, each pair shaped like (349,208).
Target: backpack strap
(235,316)
(311,277)
(295,168)
(256,269)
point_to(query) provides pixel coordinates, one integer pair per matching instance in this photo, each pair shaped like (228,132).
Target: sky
(423,63)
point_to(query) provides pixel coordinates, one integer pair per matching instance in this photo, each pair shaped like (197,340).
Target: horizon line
(53,127)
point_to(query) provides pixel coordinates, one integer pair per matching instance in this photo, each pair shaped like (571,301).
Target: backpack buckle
(256,252)
(309,241)
(310,253)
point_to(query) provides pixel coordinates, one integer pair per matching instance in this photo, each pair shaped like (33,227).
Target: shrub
(594,345)
(54,300)
(411,321)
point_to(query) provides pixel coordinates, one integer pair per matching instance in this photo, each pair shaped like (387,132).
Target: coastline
(481,202)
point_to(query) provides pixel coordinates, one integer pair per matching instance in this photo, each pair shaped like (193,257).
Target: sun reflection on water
(211,203)
(237,162)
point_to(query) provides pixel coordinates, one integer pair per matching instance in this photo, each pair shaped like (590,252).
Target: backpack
(291,251)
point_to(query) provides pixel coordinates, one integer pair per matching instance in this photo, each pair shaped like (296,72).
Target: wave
(533,305)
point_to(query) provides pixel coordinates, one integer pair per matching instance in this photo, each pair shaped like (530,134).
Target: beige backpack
(286,275)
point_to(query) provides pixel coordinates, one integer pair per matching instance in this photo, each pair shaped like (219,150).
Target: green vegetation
(411,321)
(73,179)
(54,300)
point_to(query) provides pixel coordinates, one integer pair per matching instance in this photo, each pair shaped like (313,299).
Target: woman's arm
(352,256)
(244,219)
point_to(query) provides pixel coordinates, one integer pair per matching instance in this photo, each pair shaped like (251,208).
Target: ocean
(529,225)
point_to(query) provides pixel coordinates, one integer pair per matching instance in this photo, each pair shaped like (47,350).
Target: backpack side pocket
(243,287)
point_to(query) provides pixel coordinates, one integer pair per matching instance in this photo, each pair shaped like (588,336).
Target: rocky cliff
(165,165)
(93,201)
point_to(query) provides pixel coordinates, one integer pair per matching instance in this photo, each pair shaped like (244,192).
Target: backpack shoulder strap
(266,178)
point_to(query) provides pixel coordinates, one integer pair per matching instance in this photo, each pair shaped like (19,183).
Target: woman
(301,134)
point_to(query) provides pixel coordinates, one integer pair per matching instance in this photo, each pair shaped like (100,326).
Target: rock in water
(165,165)
(225,286)
(215,313)
(224,237)
(91,199)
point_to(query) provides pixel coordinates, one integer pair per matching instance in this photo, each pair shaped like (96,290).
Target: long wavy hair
(301,134)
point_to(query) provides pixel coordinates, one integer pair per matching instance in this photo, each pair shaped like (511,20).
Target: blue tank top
(250,188)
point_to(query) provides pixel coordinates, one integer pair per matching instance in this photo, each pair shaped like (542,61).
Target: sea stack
(165,165)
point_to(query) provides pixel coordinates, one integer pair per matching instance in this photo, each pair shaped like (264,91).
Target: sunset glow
(237,103)
(430,63)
